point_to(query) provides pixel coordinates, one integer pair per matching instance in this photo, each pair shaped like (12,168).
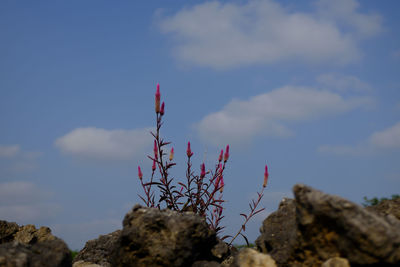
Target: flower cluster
(201,194)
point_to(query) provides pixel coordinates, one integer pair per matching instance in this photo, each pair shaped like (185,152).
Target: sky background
(311,88)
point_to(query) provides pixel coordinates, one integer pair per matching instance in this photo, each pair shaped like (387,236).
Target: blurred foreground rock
(151,237)
(316,227)
(22,246)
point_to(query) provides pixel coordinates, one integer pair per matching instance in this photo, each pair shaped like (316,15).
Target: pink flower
(171,154)
(158,97)
(154,166)
(221,184)
(140,174)
(155,150)
(189,151)
(162,109)
(265,176)
(226,156)
(220,155)
(203,170)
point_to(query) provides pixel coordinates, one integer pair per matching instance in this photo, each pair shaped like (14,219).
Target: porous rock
(28,246)
(388,207)
(336,262)
(332,226)
(249,257)
(279,232)
(152,237)
(98,251)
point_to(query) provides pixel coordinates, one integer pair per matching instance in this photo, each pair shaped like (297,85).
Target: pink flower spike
(154,166)
(220,155)
(162,109)
(226,156)
(171,154)
(221,185)
(158,97)
(140,174)
(203,170)
(189,151)
(266,174)
(155,150)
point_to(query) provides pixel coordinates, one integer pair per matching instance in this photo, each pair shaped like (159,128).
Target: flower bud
(203,170)
(158,97)
(171,154)
(226,156)
(189,152)
(140,174)
(162,109)
(220,155)
(265,176)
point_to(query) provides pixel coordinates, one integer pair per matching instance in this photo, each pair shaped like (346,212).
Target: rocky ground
(313,229)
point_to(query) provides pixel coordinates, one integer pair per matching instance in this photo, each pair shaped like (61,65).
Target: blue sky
(310,88)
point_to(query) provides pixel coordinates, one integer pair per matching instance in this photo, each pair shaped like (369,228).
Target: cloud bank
(268,114)
(225,35)
(97,143)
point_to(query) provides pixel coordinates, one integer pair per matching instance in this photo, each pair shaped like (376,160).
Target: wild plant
(201,194)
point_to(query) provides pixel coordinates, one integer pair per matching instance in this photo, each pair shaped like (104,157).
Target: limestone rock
(85,264)
(53,253)
(151,237)
(28,246)
(98,251)
(336,262)
(332,226)
(279,232)
(7,231)
(249,257)
(387,207)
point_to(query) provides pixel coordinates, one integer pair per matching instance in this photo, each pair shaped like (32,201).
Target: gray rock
(53,253)
(151,237)
(389,207)
(279,232)
(98,251)
(332,226)
(28,246)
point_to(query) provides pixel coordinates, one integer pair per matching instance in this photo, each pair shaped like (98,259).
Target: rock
(387,207)
(53,253)
(85,264)
(206,264)
(279,232)
(249,257)
(151,237)
(28,234)
(331,226)
(28,246)
(7,231)
(336,262)
(98,251)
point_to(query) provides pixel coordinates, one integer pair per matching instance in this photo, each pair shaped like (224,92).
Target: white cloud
(224,35)
(266,114)
(24,202)
(105,144)
(343,83)
(387,139)
(9,151)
